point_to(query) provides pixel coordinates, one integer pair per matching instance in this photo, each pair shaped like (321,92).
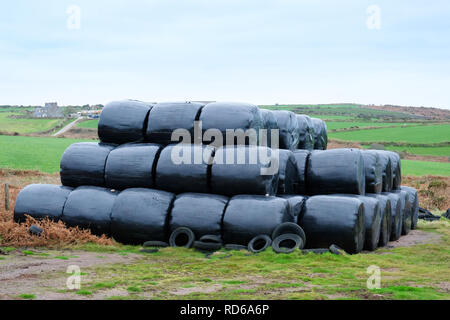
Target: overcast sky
(260,51)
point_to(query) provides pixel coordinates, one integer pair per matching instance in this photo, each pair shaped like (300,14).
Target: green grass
(89,124)
(421,168)
(27,296)
(424,134)
(180,273)
(8,124)
(426,151)
(33,153)
(333,125)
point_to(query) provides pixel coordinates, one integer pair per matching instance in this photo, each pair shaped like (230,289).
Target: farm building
(50,110)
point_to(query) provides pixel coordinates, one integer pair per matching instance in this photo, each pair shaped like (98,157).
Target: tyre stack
(139,186)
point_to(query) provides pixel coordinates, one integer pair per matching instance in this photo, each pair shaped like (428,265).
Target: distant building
(50,110)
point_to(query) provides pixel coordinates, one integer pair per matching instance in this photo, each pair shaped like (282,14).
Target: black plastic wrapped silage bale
(336,171)
(320,134)
(306,138)
(397,215)
(373,171)
(131,166)
(141,215)
(166,117)
(372,218)
(90,208)
(386,221)
(202,213)
(270,124)
(41,201)
(225,116)
(184,168)
(406,209)
(289,129)
(335,220)
(287,173)
(301,162)
(123,121)
(386,167)
(248,216)
(84,163)
(238,170)
(414,201)
(396,168)
(296,205)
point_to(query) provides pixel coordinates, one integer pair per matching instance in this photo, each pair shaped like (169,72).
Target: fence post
(6,196)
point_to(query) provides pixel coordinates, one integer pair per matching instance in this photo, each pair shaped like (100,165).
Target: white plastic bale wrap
(41,201)
(84,163)
(123,121)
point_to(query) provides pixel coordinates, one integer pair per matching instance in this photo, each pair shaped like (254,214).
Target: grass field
(89,124)
(411,134)
(33,153)
(8,124)
(420,168)
(333,125)
(426,151)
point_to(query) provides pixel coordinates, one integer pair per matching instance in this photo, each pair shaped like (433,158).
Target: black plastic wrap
(247,216)
(131,166)
(335,220)
(296,204)
(123,121)
(373,171)
(406,209)
(287,173)
(84,163)
(336,171)
(396,169)
(269,123)
(202,213)
(320,134)
(372,218)
(184,168)
(289,129)
(301,162)
(41,201)
(397,215)
(90,208)
(166,117)
(306,137)
(414,202)
(386,167)
(231,115)
(245,177)
(141,215)
(386,218)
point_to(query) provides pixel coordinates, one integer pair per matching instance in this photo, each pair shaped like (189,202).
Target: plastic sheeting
(90,208)
(123,121)
(131,166)
(396,169)
(202,213)
(296,204)
(237,170)
(335,220)
(320,134)
(406,209)
(247,216)
(386,218)
(269,123)
(231,115)
(372,217)
(336,171)
(141,215)
(301,162)
(414,202)
(373,171)
(306,132)
(83,163)
(289,129)
(287,173)
(41,201)
(386,167)
(184,168)
(168,116)
(397,215)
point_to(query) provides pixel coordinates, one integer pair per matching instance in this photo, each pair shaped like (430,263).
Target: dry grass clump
(433,191)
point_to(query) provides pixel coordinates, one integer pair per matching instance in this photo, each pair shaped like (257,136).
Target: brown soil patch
(81,133)
(415,237)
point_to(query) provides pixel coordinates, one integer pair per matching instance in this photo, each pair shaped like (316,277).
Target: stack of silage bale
(139,185)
